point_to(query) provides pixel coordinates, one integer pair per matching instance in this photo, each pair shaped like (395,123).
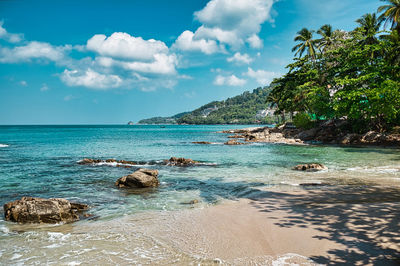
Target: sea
(42,161)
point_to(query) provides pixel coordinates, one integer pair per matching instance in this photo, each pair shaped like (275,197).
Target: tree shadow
(366,220)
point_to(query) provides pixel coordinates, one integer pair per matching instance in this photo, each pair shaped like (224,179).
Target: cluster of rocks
(328,132)
(173,161)
(118,163)
(38,210)
(234,142)
(310,167)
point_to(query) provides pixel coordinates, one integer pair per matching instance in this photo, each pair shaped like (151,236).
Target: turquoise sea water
(42,161)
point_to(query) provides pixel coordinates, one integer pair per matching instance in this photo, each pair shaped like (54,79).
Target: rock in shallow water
(141,178)
(173,161)
(310,167)
(38,210)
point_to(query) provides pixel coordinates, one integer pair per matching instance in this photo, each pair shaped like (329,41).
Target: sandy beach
(353,226)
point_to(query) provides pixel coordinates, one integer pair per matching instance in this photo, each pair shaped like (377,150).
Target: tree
(305,37)
(391,14)
(369,26)
(327,37)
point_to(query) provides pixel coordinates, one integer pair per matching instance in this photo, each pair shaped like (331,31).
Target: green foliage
(355,75)
(241,109)
(303,120)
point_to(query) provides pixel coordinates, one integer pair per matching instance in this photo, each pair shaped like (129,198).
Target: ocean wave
(378,169)
(4,145)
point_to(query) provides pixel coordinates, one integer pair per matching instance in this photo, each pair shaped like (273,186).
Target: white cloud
(91,79)
(255,42)
(33,50)
(231,80)
(240,58)
(23,83)
(186,42)
(227,22)
(162,64)
(10,37)
(263,77)
(44,87)
(123,45)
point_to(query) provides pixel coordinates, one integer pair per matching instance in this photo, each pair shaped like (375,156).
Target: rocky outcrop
(310,167)
(141,178)
(173,161)
(329,132)
(202,142)
(38,210)
(118,163)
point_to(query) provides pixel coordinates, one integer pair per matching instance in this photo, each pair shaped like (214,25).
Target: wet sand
(355,226)
(337,225)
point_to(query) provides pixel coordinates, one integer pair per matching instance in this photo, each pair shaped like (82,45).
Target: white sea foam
(4,145)
(378,169)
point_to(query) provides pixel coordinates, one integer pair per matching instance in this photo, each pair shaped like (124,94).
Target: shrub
(303,120)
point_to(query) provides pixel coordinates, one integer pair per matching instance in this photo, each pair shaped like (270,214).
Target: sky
(110,62)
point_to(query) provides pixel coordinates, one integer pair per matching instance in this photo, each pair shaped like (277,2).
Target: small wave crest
(4,145)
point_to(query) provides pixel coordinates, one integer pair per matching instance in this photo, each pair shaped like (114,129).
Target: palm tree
(391,14)
(327,37)
(369,27)
(305,37)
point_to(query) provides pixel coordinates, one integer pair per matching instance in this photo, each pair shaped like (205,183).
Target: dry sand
(354,226)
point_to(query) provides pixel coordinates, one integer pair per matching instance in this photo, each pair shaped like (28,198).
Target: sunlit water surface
(41,161)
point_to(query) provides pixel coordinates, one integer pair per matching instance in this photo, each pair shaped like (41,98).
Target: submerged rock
(173,161)
(310,167)
(234,142)
(38,210)
(201,142)
(141,178)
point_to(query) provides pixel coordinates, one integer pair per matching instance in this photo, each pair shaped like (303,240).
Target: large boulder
(141,178)
(310,167)
(38,210)
(308,134)
(173,161)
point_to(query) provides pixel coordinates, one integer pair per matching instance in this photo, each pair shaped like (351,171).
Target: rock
(130,123)
(195,201)
(307,134)
(236,136)
(372,137)
(350,138)
(173,161)
(234,142)
(310,167)
(38,210)
(88,161)
(313,184)
(201,142)
(118,163)
(141,178)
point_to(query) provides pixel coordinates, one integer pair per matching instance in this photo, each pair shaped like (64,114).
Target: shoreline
(329,133)
(341,224)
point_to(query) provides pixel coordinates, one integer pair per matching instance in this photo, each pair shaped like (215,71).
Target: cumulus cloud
(23,83)
(240,58)
(231,80)
(255,42)
(263,77)
(123,45)
(33,50)
(228,22)
(186,42)
(9,37)
(91,79)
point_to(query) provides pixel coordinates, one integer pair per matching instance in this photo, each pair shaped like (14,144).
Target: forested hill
(247,108)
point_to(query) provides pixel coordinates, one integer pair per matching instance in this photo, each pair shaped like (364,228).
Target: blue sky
(108,62)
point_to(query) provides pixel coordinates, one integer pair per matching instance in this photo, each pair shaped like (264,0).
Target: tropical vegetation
(352,75)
